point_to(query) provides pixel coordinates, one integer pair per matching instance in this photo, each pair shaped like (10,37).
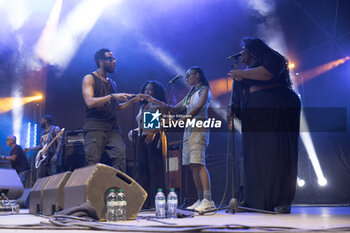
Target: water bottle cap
(112,190)
(160,190)
(172,189)
(120,191)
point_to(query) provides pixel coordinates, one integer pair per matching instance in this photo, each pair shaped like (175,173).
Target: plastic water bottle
(172,204)
(111,204)
(121,206)
(160,204)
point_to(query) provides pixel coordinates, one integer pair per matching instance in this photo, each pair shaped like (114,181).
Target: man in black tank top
(102,134)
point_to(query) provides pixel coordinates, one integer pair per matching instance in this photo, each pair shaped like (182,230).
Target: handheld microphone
(234,56)
(174,79)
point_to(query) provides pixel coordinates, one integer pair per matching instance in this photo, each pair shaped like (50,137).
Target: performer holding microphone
(270,118)
(195,140)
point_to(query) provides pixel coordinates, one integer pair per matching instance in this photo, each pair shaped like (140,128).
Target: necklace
(104,79)
(192,91)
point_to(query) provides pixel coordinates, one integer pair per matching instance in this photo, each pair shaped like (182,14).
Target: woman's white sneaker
(205,205)
(195,205)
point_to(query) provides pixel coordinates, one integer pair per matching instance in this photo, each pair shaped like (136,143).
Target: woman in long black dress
(270,126)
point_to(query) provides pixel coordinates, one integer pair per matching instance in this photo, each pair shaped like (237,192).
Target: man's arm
(10,158)
(93,102)
(173,109)
(38,147)
(88,93)
(127,103)
(59,145)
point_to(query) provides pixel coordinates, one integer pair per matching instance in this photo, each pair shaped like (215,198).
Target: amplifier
(73,151)
(74,136)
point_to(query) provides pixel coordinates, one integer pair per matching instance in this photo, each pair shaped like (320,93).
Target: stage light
(17,114)
(47,36)
(31,132)
(32,98)
(16,11)
(291,66)
(300,182)
(322,181)
(65,40)
(28,134)
(10,103)
(262,6)
(306,136)
(164,58)
(220,86)
(35,135)
(307,75)
(310,149)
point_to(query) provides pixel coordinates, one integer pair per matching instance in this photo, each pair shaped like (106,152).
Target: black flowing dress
(270,132)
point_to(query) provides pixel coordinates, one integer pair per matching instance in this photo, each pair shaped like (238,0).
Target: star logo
(151,120)
(156,115)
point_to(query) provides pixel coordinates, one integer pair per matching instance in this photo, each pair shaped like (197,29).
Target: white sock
(200,195)
(207,195)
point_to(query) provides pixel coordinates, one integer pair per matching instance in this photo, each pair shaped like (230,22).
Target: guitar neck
(53,140)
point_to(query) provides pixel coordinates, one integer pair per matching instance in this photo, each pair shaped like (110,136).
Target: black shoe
(283,209)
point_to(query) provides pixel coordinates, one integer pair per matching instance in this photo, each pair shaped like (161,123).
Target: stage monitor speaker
(53,193)
(36,195)
(10,184)
(92,183)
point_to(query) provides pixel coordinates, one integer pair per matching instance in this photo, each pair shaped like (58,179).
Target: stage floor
(301,219)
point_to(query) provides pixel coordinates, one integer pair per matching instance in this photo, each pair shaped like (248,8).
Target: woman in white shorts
(195,140)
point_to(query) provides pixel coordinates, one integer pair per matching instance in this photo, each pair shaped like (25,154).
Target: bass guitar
(41,156)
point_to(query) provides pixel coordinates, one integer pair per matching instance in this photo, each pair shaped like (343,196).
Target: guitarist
(49,131)
(17,158)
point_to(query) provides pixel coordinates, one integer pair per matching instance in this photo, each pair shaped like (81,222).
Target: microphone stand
(233,205)
(172,86)
(134,143)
